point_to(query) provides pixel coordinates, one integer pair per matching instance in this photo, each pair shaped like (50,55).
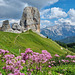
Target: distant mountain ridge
(68,40)
(59,32)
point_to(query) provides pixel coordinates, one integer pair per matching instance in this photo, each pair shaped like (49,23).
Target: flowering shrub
(70,56)
(57,55)
(3,52)
(32,62)
(0,73)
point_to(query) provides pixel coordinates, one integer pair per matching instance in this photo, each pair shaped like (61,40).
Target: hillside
(59,32)
(69,46)
(68,40)
(15,42)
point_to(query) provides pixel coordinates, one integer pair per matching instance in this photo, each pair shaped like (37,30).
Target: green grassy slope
(68,69)
(13,42)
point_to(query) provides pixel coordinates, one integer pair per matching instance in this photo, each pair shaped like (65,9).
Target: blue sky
(68,7)
(64,4)
(52,12)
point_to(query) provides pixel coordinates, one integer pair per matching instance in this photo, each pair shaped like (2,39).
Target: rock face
(5,26)
(59,32)
(31,19)
(15,26)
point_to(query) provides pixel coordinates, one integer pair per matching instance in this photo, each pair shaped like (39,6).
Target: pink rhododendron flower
(63,60)
(70,56)
(0,73)
(57,55)
(49,66)
(59,61)
(31,59)
(3,51)
(10,74)
(73,61)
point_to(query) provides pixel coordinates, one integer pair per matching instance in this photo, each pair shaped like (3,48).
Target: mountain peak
(59,32)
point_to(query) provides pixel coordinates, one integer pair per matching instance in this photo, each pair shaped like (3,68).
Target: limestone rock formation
(31,19)
(13,31)
(5,26)
(15,26)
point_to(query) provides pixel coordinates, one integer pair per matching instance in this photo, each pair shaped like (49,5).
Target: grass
(15,42)
(19,42)
(65,69)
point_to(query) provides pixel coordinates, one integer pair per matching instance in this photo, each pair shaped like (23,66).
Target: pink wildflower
(49,66)
(57,55)
(0,73)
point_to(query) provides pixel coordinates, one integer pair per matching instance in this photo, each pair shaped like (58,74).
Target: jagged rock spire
(31,19)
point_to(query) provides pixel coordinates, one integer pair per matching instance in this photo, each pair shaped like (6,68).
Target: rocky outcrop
(5,26)
(31,19)
(16,26)
(13,31)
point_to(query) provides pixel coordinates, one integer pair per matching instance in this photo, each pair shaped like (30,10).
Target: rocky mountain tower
(31,19)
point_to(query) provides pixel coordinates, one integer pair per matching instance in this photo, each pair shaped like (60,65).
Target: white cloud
(11,9)
(57,13)
(71,13)
(14,8)
(40,3)
(2,3)
(45,13)
(45,23)
(52,13)
(14,21)
(67,21)
(63,21)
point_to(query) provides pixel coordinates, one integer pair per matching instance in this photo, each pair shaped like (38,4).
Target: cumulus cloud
(67,21)
(63,21)
(52,13)
(57,13)
(40,3)
(11,9)
(2,3)
(14,21)
(45,23)
(45,13)
(14,8)
(71,13)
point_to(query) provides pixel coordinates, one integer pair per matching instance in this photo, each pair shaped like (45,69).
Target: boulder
(13,31)
(31,19)
(5,26)
(15,26)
